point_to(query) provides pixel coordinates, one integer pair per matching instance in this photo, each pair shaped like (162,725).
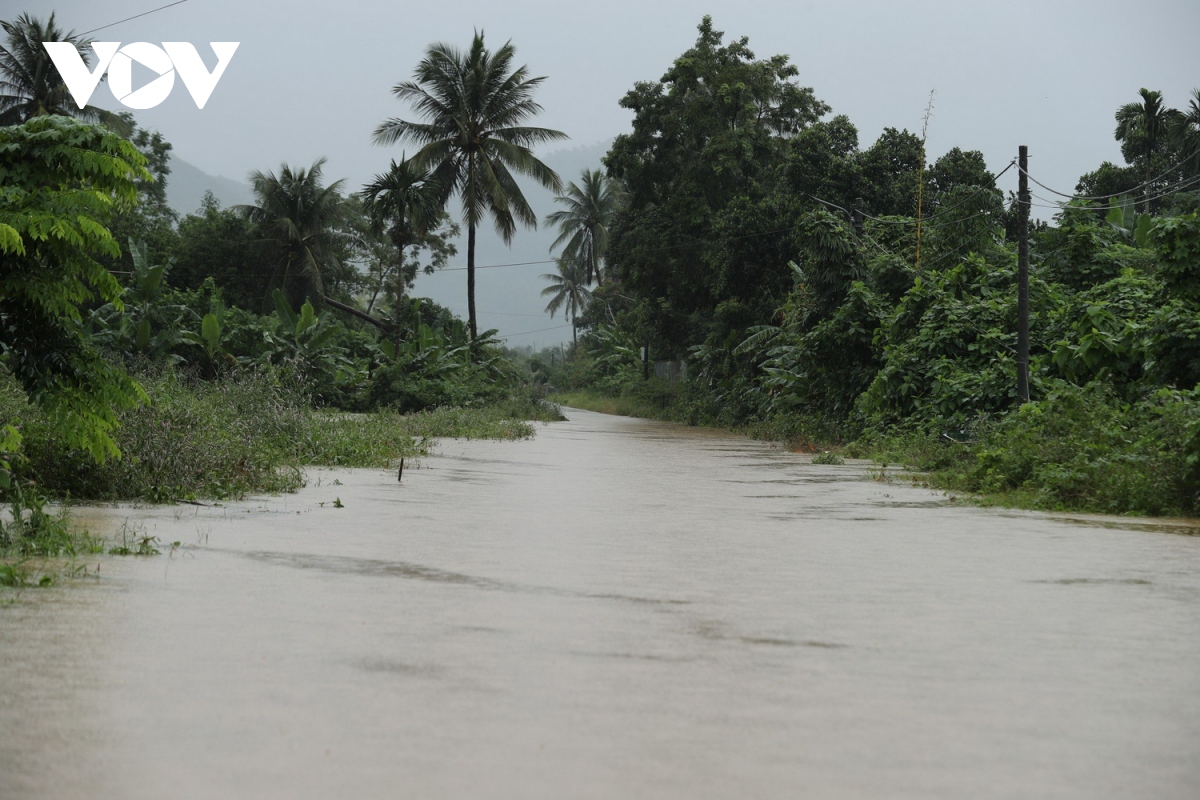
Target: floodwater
(616,609)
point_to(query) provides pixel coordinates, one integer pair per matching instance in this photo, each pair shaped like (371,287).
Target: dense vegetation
(148,356)
(785,280)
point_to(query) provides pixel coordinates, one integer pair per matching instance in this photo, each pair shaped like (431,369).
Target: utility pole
(1023,277)
(856,217)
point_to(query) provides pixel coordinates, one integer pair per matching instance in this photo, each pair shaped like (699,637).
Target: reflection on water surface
(617,608)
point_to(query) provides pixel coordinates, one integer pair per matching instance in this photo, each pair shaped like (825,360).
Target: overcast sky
(313,79)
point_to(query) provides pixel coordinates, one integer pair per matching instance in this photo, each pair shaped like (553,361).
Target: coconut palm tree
(30,85)
(1185,135)
(301,217)
(569,289)
(583,224)
(406,204)
(1141,128)
(474,139)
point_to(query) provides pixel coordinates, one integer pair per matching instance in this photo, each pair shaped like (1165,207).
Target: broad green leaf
(1141,234)
(284,310)
(306,319)
(210,331)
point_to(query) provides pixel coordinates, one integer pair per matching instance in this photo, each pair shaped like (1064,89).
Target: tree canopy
(299,216)
(60,180)
(30,85)
(583,222)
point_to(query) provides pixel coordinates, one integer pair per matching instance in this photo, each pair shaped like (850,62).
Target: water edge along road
(617,608)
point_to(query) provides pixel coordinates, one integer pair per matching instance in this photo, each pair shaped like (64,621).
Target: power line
(1187,183)
(135,16)
(539,330)
(696,243)
(721,240)
(907,221)
(1180,186)
(1165,192)
(1141,185)
(495,313)
(497,266)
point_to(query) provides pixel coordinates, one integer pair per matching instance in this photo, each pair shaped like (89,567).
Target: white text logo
(118,61)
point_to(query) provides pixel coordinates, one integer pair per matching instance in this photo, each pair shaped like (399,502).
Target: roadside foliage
(800,291)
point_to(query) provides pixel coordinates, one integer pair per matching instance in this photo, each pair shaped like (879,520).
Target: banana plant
(211,340)
(148,279)
(1123,218)
(126,326)
(304,341)
(616,349)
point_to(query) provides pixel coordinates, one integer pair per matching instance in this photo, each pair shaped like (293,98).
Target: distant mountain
(187,184)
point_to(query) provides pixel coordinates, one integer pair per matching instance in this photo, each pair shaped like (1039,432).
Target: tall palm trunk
(595,259)
(1150,142)
(471,280)
(470,204)
(399,291)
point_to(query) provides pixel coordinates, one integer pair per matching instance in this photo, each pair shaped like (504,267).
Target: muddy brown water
(617,608)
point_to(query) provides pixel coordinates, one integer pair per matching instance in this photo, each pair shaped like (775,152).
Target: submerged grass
(376,440)
(247,433)
(243,434)
(37,547)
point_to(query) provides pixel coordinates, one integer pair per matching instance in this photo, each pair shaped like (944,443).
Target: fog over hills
(187,184)
(508,298)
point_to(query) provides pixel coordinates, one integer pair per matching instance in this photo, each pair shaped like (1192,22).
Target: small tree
(60,179)
(584,222)
(568,288)
(404,203)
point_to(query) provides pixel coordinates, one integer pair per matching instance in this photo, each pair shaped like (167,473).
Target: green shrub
(248,432)
(194,438)
(1085,449)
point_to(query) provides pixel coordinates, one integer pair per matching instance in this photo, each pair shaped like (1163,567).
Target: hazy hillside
(186,186)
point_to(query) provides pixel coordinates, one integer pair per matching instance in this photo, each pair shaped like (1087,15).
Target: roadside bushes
(1086,449)
(407,387)
(194,438)
(252,431)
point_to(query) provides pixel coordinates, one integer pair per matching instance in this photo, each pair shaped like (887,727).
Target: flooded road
(615,609)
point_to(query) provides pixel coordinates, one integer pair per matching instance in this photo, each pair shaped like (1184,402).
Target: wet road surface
(617,608)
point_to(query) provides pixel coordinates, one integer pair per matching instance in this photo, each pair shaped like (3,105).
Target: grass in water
(38,547)
(246,433)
